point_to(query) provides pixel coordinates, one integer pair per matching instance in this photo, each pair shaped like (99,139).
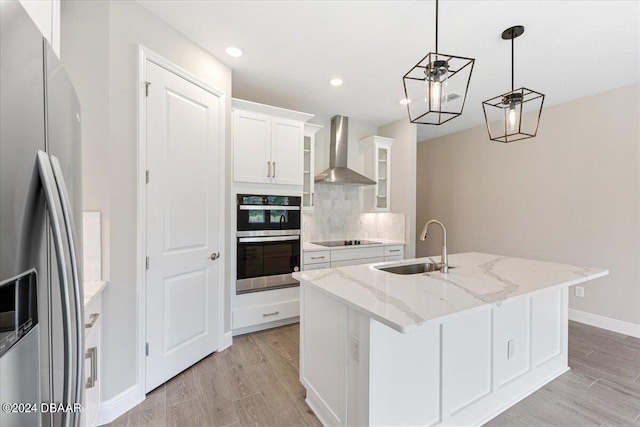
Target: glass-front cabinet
(377,166)
(308,166)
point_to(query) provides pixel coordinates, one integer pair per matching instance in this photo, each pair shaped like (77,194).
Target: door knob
(214,256)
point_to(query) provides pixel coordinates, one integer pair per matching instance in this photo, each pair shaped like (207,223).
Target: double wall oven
(268,238)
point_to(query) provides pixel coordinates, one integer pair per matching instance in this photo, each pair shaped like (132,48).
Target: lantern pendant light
(436,87)
(504,114)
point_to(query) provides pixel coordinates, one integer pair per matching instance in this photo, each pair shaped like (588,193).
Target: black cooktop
(335,243)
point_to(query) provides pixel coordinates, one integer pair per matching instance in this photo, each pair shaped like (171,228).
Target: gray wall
(570,195)
(100,44)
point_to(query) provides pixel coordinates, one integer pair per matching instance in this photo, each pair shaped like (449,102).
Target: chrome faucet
(444,261)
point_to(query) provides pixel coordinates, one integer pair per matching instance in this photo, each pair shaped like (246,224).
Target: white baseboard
(119,404)
(614,325)
(227,340)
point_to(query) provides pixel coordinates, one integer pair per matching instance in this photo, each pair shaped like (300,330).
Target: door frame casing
(144,55)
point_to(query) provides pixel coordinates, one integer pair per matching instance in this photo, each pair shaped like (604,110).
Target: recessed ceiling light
(405,101)
(336,82)
(236,52)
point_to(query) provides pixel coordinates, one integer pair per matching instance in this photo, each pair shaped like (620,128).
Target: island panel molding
(513,327)
(433,349)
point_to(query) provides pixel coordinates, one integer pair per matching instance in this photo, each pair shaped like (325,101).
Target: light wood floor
(255,382)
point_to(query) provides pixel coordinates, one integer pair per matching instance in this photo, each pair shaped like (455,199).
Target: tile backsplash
(383,225)
(338,215)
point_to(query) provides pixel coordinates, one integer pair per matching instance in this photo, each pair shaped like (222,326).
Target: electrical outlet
(580,291)
(362,224)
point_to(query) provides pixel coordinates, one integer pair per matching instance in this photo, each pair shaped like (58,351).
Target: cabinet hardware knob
(275,313)
(269,169)
(214,256)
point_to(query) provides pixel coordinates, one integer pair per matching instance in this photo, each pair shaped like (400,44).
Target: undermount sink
(421,267)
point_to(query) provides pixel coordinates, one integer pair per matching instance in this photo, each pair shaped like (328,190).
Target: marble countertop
(310,247)
(478,281)
(92,289)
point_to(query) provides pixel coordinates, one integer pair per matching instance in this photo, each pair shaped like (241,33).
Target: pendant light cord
(512,67)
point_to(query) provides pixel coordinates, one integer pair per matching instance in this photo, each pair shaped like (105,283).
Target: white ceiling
(570,49)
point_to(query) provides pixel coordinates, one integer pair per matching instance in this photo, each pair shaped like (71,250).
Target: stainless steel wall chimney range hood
(338,172)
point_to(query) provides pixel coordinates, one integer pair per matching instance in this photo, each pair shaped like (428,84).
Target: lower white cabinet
(343,257)
(362,253)
(256,311)
(347,262)
(92,374)
(317,266)
(264,314)
(262,310)
(316,257)
(393,251)
(457,371)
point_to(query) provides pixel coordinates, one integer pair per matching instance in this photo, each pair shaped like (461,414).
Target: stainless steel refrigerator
(41,302)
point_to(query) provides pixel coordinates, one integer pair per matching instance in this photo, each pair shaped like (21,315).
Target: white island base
(358,371)
(462,369)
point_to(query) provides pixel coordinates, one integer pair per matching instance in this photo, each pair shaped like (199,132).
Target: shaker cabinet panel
(252,146)
(286,152)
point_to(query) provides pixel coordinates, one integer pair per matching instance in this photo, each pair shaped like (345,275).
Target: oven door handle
(268,208)
(267,239)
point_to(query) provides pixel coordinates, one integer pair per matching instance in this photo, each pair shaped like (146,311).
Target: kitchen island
(456,348)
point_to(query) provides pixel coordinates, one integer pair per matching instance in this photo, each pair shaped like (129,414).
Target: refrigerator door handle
(59,231)
(75,276)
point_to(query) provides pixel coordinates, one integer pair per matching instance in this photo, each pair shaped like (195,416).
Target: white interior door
(182,224)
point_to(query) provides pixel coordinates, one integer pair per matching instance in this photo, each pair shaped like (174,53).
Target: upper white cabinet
(251,146)
(377,166)
(267,144)
(308,172)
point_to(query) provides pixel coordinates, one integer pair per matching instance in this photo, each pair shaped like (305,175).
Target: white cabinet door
(92,376)
(92,361)
(251,147)
(286,151)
